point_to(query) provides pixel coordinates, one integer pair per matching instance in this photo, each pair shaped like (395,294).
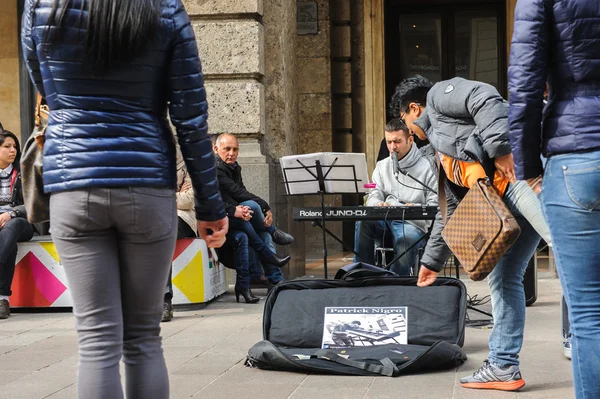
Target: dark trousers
(271,273)
(15,230)
(183,231)
(254,240)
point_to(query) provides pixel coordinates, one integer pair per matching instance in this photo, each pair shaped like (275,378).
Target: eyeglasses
(407,110)
(402,115)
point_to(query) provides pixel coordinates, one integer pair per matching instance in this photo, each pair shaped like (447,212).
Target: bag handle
(38,106)
(40,109)
(387,367)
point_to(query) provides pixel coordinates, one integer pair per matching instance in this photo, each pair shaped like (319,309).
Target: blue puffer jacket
(558,41)
(113,131)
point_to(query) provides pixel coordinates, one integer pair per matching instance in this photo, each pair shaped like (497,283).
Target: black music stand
(319,173)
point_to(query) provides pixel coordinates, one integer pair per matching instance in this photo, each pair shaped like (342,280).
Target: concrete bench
(40,279)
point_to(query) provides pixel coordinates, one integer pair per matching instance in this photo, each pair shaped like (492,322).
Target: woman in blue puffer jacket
(559,42)
(109,71)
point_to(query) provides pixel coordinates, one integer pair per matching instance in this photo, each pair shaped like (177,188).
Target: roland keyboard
(342,213)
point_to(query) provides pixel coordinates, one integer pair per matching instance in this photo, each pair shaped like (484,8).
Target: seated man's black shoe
(275,260)
(281,237)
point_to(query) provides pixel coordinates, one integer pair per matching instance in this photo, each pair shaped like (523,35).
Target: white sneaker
(567,347)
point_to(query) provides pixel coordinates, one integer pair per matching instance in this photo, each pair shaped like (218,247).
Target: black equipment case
(293,323)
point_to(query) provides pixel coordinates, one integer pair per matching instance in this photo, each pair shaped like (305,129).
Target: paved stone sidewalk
(205,349)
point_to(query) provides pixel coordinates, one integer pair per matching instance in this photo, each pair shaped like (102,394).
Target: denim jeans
(571,203)
(254,240)
(272,273)
(506,283)
(527,202)
(402,235)
(15,230)
(237,242)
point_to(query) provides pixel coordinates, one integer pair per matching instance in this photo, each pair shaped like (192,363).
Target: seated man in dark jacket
(247,212)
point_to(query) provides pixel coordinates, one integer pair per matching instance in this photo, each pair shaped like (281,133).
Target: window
(441,42)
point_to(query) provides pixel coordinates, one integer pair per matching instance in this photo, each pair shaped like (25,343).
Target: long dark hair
(116,30)
(4,134)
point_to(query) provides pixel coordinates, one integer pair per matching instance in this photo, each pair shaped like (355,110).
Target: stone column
(10,109)
(282,117)
(248,62)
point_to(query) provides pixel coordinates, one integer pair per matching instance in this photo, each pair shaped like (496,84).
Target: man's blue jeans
(403,235)
(571,203)
(506,282)
(272,273)
(529,206)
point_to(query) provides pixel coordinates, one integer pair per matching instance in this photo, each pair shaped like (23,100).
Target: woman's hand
(213,233)
(5,217)
(185,187)
(243,212)
(535,184)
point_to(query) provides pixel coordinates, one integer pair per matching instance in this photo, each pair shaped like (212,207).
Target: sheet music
(360,166)
(339,159)
(294,175)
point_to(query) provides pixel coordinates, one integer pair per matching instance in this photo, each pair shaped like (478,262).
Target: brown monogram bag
(481,228)
(37,203)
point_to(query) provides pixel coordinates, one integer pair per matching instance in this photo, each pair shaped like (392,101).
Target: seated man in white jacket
(398,190)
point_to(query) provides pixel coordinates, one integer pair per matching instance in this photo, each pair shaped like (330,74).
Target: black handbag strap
(442,200)
(386,368)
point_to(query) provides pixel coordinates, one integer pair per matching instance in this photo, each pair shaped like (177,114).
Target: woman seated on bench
(13,219)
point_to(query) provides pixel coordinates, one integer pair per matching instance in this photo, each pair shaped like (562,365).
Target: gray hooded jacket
(461,112)
(405,190)
(462,116)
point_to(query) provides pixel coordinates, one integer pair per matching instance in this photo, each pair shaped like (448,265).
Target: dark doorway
(442,39)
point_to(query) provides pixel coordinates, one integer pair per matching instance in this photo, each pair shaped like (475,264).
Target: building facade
(292,77)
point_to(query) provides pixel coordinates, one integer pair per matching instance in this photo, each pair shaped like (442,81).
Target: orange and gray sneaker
(490,376)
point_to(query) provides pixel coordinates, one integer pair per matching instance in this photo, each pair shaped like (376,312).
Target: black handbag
(37,203)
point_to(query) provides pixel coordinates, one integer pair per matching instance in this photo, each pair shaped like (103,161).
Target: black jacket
(17,197)
(232,188)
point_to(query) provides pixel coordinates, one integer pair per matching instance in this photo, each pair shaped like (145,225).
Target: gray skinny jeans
(116,245)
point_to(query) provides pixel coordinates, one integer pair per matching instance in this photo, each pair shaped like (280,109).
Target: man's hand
(5,217)
(213,233)
(383,204)
(506,166)
(268,219)
(243,212)
(426,277)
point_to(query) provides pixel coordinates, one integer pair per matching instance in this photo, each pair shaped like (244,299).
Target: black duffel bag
(293,327)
